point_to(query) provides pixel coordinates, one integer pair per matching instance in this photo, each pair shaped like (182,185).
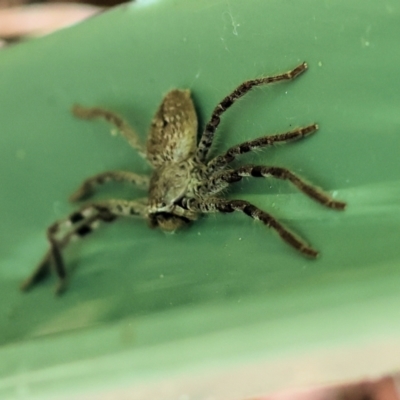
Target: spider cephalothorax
(185,182)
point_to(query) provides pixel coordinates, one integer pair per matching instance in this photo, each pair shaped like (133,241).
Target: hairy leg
(78,225)
(212,205)
(86,189)
(52,260)
(219,162)
(126,130)
(225,178)
(209,131)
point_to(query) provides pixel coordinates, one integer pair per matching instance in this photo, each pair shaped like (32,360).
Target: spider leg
(210,128)
(53,258)
(126,130)
(219,162)
(212,205)
(78,225)
(223,179)
(39,273)
(86,189)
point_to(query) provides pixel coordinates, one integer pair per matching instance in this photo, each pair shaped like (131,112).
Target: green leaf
(225,294)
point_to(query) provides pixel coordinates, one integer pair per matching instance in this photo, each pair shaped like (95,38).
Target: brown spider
(185,182)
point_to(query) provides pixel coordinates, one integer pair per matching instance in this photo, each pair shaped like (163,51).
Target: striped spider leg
(82,222)
(184,182)
(77,225)
(218,181)
(215,177)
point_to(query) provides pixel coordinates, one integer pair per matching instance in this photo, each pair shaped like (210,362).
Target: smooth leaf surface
(225,290)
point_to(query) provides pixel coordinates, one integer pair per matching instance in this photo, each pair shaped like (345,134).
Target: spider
(185,182)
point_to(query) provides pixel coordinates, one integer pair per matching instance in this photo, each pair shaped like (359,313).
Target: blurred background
(22,20)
